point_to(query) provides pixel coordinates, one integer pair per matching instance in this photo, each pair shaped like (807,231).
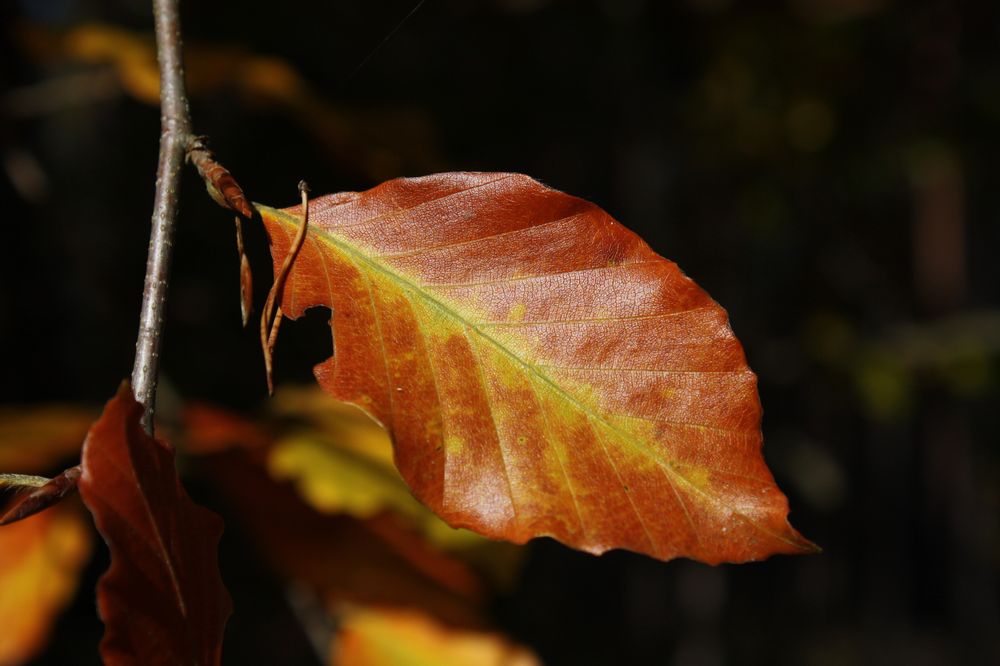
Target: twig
(226,192)
(176,129)
(269,326)
(45,493)
(20,481)
(221,185)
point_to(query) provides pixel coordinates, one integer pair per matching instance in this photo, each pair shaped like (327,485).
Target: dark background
(826,169)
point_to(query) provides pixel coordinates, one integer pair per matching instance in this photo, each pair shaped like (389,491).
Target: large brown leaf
(541,370)
(162,600)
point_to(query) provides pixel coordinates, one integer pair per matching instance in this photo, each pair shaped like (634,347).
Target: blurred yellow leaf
(40,562)
(341,462)
(334,480)
(352,429)
(34,439)
(397,638)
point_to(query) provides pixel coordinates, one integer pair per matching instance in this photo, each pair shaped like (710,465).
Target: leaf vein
(502,234)
(681,503)
(661,315)
(559,457)
(426,202)
(477,355)
(377,317)
(521,278)
(621,485)
(616,369)
(437,397)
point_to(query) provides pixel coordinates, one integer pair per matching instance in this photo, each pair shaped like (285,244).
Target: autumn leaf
(162,599)
(382,637)
(541,370)
(40,563)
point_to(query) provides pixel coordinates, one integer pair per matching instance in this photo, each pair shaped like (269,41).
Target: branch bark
(175,133)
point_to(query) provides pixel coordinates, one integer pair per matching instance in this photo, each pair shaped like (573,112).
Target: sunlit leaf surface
(541,370)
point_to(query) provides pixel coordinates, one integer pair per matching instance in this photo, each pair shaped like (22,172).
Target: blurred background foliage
(824,168)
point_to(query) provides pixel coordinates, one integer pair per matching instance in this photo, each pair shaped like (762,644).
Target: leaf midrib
(354,254)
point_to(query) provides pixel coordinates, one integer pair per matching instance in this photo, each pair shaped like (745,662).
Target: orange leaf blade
(541,370)
(162,599)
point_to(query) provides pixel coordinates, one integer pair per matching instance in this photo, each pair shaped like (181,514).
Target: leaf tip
(797,544)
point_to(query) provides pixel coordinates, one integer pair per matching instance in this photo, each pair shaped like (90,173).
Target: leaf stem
(22,481)
(270,318)
(175,132)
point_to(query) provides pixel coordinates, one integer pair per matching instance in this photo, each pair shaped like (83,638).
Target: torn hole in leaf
(302,344)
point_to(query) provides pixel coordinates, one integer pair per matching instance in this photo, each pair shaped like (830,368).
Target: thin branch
(20,481)
(44,493)
(175,132)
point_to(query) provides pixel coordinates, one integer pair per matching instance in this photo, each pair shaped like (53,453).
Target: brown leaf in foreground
(389,638)
(40,563)
(162,599)
(542,371)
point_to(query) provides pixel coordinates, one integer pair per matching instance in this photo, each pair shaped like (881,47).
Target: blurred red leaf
(210,429)
(162,599)
(541,370)
(378,561)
